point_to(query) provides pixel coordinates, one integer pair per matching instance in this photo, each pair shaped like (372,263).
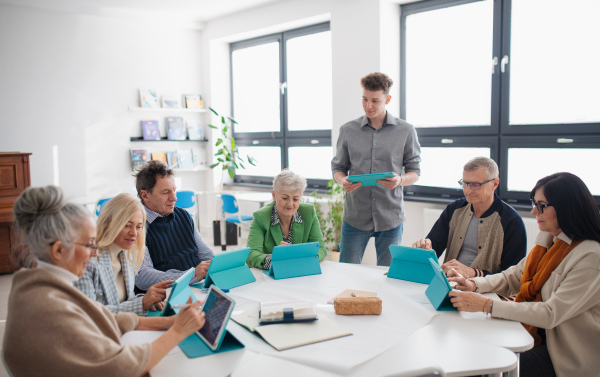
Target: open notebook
(284,336)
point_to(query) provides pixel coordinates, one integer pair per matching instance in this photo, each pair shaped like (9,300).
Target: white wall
(67,80)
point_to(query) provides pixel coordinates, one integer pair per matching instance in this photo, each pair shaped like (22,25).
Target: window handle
(282,87)
(503,63)
(494,64)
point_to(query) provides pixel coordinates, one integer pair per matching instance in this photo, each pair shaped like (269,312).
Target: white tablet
(217,307)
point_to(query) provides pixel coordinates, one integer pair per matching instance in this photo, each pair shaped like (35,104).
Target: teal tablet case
(369,179)
(193,346)
(296,260)
(180,293)
(412,264)
(229,270)
(438,290)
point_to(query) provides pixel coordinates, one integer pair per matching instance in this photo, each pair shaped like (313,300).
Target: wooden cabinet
(14,178)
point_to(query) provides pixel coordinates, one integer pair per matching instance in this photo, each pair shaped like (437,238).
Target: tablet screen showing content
(218,308)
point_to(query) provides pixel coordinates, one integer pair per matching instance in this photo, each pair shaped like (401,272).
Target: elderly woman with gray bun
(285,221)
(52,329)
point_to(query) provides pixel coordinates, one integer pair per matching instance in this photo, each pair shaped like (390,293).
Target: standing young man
(375,143)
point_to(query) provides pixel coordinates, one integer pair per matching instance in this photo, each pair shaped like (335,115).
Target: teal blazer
(263,237)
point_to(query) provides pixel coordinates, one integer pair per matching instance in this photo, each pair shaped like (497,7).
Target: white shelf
(166,109)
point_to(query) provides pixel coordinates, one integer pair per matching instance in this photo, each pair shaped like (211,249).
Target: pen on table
(180,306)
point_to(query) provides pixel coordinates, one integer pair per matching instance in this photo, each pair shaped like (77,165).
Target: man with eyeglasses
(480,233)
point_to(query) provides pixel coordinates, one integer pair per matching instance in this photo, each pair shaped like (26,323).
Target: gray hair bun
(35,202)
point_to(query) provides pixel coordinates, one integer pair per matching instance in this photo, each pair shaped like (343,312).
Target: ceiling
(185,13)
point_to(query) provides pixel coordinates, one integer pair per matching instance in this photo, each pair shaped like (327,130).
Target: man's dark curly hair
(377,81)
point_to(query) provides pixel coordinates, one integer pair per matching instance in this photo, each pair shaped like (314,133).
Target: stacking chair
(187,200)
(100,204)
(230,206)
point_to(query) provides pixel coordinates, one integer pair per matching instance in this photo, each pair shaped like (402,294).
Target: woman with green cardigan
(285,221)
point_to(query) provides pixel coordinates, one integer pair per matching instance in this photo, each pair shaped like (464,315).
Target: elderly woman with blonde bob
(285,221)
(52,329)
(110,278)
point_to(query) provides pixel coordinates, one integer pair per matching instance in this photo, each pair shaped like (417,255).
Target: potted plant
(331,222)
(228,159)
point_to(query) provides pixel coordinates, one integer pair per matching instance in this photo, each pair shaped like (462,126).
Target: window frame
(584,135)
(284,137)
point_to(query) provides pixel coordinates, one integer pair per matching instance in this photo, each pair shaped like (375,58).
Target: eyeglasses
(540,207)
(93,245)
(473,185)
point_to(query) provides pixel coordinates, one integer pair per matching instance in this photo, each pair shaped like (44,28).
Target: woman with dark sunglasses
(557,284)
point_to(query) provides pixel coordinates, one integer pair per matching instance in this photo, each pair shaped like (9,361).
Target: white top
(117,268)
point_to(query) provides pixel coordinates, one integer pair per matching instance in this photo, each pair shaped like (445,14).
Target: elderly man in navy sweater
(480,233)
(173,243)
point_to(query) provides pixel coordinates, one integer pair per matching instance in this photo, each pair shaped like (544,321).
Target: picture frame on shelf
(149,98)
(150,130)
(193,101)
(170,102)
(195,130)
(138,158)
(175,128)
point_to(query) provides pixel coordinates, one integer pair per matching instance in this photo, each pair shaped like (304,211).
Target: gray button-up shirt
(363,150)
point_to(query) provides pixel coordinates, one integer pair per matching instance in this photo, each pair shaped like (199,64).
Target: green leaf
(232,120)
(242,165)
(211,126)
(232,143)
(214,165)
(219,153)
(213,110)
(219,141)
(236,165)
(231,171)
(223,119)
(220,159)
(252,160)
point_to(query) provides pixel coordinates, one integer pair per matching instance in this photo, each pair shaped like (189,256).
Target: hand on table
(465,271)
(468,301)
(153,299)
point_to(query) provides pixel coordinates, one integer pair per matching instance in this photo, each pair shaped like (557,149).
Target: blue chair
(100,204)
(230,206)
(187,200)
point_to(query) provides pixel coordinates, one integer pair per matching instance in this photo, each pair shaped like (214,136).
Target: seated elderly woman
(54,329)
(110,278)
(285,221)
(557,284)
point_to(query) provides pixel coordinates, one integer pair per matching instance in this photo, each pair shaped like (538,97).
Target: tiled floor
(5,284)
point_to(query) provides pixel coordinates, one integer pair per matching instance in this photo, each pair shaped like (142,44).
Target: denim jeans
(354,241)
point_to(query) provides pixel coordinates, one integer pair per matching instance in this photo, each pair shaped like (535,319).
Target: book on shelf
(185,159)
(148,98)
(173,160)
(175,128)
(138,158)
(170,102)
(150,130)
(193,101)
(160,156)
(195,130)
(199,157)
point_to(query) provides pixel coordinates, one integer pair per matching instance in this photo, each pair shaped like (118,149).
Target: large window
(514,80)
(281,99)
